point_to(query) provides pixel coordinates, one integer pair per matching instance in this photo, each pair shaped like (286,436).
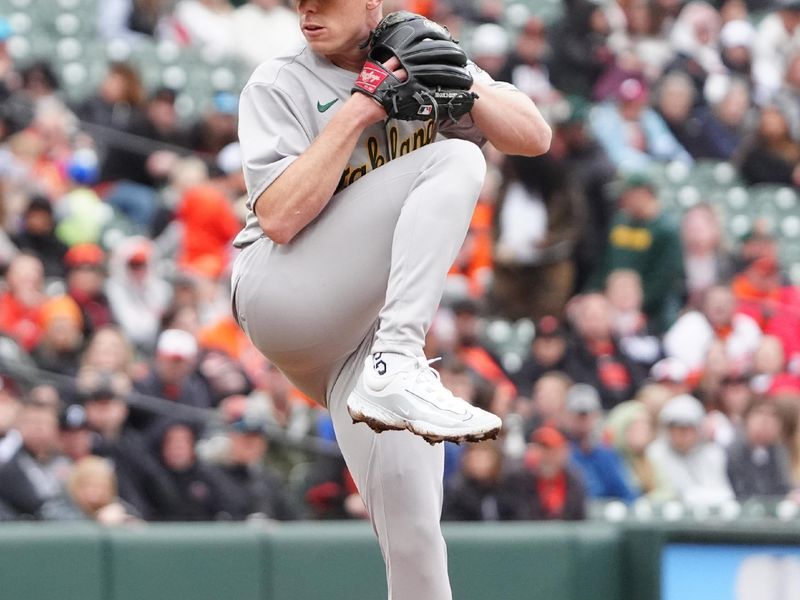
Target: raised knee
(463,166)
(467,158)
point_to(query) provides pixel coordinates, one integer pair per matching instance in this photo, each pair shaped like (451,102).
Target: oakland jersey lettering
(394,146)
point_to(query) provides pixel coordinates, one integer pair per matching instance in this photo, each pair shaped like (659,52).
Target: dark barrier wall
(341,561)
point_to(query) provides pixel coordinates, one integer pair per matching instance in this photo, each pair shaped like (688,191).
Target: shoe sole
(379,420)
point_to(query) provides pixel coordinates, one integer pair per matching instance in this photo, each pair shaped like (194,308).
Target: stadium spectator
(547,351)
(539,217)
(548,487)
(589,167)
(673,375)
(489,45)
(264,490)
(130,20)
(32,480)
(758,462)
(480,491)
(695,39)
(92,488)
(138,296)
(772,375)
(110,351)
(118,101)
(21,302)
(173,376)
(37,236)
(705,260)
(643,237)
(633,134)
(61,343)
(786,98)
(676,98)
(216,128)
(694,468)
(690,337)
(762,293)
(774,40)
(205,24)
(142,482)
(525,66)
(642,39)
(736,39)
(252,19)
(628,322)
(580,48)
(209,225)
(629,427)
(84,281)
(75,437)
(548,402)
(10,439)
(594,355)
(771,155)
(725,421)
(469,351)
(599,466)
(205,492)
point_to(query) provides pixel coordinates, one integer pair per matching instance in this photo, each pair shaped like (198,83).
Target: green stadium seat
(20,22)
(118,50)
(677,172)
(790,227)
(737,197)
(68,49)
(168,52)
(786,199)
(688,196)
(739,224)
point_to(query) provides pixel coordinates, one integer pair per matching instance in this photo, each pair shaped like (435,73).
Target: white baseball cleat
(416,400)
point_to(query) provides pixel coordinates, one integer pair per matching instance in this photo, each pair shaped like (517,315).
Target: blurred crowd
(661,357)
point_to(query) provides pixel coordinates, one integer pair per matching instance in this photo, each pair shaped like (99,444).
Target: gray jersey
(285,106)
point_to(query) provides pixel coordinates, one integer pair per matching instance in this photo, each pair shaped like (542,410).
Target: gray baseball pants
(366,276)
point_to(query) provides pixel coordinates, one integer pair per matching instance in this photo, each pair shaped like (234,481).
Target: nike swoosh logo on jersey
(323,107)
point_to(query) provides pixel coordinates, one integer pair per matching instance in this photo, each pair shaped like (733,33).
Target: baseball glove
(438,81)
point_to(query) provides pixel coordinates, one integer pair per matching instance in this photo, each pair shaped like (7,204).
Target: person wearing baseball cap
(85,279)
(9,407)
(173,375)
(599,465)
(75,437)
(694,468)
(550,486)
(547,352)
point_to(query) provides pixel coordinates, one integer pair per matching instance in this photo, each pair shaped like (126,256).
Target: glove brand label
(371,77)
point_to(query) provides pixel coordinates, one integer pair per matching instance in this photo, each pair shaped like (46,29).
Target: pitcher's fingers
(393,65)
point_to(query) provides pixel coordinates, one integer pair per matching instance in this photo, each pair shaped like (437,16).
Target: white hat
(737,33)
(683,409)
(489,40)
(672,370)
(176,342)
(582,398)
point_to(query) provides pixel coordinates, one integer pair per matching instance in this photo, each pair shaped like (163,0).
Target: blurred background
(627,303)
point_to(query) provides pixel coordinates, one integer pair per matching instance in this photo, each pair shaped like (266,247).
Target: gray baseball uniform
(365,276)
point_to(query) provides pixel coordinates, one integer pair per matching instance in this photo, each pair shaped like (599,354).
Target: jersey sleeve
(272,134)
(465,128)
